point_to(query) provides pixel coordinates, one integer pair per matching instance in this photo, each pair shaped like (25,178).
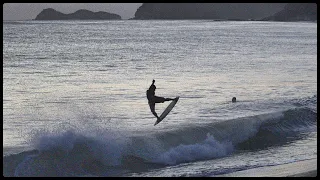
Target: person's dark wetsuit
(153,99)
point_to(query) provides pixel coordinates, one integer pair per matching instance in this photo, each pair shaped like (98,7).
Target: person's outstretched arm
(152,83)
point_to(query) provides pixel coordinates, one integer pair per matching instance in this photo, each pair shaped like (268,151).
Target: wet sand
(307,168)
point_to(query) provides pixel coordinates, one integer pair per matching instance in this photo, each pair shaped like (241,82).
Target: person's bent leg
(159,99)
(152,108)
(155,114)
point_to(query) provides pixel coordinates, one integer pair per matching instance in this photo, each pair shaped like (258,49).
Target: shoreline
(304,168)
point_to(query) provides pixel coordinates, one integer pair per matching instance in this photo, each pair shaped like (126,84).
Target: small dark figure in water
(234,99)
(152,99)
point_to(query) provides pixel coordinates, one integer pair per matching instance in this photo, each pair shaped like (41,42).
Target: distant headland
(214,11)
(82,14)
(228,11)
(295,12)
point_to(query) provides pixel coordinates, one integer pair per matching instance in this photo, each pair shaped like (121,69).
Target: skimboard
(167,110)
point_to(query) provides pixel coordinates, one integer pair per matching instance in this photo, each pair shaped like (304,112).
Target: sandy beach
(307,168)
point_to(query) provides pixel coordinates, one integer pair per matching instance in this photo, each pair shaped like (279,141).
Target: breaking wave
(73,154)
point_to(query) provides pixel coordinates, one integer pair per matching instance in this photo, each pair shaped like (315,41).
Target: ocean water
(74,97)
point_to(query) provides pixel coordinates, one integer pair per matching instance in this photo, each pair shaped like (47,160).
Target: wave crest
(75,154)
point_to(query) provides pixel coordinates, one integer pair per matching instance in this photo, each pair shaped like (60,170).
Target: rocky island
(82,14)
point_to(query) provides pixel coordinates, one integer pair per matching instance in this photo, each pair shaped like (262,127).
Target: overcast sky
(27,11)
